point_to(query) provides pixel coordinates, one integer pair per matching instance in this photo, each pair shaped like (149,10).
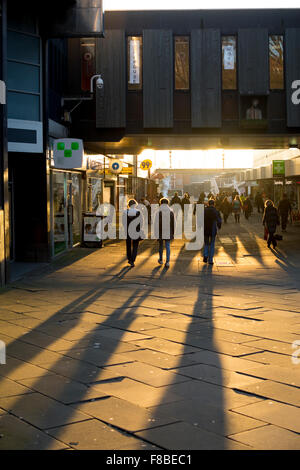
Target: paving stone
(123,414)
(267,357)
(41,411)
(215,375)
(274,346)
(137,393)
(98,356)
(269,437)
(168,347)
(62,389)
(94,435)
(275,391)
(271,412)
(183,436)
(289,376)
(160,359)
(147,374)
(209,417)
(10,388)
(223,361)
(15,369)
(17,435)
(30,353)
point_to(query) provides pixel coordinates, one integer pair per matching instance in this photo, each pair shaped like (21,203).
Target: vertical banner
(134,61)
(228,57)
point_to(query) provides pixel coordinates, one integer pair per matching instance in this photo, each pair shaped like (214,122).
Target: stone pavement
(101,356)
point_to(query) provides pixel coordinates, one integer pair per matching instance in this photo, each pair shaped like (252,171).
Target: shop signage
(146,165)
(68,153)
(115,166)
(127,170)
(278,167)
(134,63)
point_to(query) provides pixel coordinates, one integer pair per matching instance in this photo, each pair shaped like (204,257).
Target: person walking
(270,222)
(236,208)
(212,221)
(226,209)
(164,229)
(284,210)
(175,199)
(132,244)
(247,208)
(259,202)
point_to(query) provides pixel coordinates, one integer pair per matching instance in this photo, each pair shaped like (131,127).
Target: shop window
(229,75)
(134,54)
(182,63)
(276,62)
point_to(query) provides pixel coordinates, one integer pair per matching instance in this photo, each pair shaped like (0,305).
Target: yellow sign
(146,165)
(127,170)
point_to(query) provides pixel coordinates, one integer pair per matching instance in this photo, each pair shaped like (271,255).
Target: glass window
(276,62)
(23,48)
(182,63)
(229,81)
(23,106)
(23,77)
(134,47)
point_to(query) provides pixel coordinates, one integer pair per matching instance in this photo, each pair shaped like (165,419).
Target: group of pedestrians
(212,221)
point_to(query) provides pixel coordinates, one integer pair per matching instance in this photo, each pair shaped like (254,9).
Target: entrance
(66,210)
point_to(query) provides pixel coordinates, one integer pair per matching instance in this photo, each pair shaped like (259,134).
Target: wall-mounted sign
(127,170)
(146,165)
(228,57)
(68,153)
(278,167)
(134,65)
(115,166)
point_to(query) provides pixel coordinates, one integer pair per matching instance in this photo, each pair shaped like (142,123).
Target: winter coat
(128,216)
(175,200)
(212,221)
(226,207)
(164,223)
(284,207)
(271,219)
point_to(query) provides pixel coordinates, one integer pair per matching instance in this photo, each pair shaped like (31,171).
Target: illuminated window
(229,81)
(182,63)
(134,48)
(276,62)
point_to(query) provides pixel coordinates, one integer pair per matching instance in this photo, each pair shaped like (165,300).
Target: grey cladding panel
(253,55)
(206,78)
(110,62)
(158,78)
(292,67)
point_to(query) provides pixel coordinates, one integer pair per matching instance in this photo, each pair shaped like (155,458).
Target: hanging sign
(228,57)
(68,153)
(146,165)
(278,167)
(134,65)
(115,166)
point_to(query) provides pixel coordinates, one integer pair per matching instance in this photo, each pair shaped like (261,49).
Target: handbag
(266,233)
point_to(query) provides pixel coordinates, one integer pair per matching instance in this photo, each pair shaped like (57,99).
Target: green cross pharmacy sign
(68,153)
(278,167)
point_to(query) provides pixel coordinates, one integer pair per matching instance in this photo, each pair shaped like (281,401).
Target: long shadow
(200,410)
(91,361)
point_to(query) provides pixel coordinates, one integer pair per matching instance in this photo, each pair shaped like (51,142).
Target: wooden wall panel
(158,78)
(111,64)
(292,67)
(206,78)
(253,61)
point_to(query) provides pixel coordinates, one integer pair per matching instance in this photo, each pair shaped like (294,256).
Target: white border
(21,146)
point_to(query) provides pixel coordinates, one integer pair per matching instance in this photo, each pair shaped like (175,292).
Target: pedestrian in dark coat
(284,210)
(132,244)
(270,221)
(247,208)
(212,221)
(164,229)
(226,209)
